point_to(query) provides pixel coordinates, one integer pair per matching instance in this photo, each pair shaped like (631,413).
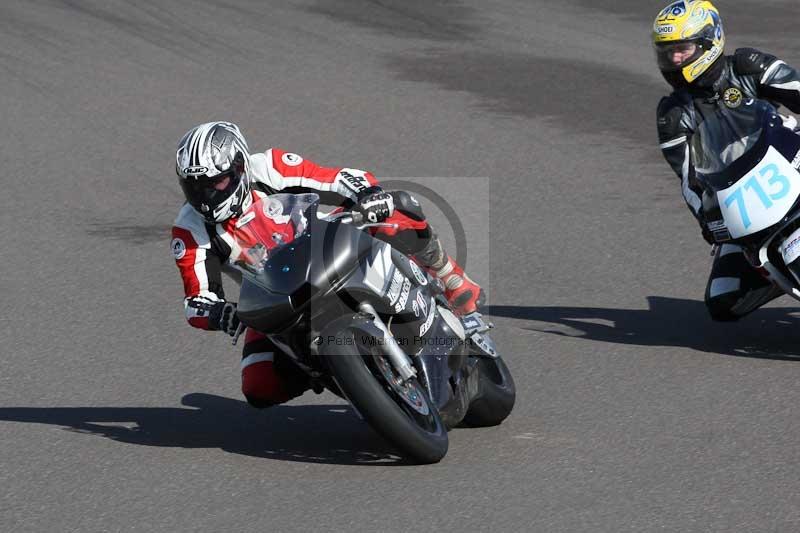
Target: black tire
(496,394)
(385,411)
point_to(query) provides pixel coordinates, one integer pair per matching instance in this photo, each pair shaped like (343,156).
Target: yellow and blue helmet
(689,40)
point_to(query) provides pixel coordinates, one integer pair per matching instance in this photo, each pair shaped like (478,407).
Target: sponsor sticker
(423,329)
(470,323)
(420,302)
(401,303)
(790,249)
(178,248)
(394,287)
(291,159)
(418,274)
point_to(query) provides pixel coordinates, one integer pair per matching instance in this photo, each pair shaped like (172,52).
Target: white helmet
(213,163)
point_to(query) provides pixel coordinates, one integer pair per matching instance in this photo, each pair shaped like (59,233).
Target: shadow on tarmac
(771,333)
(327,434)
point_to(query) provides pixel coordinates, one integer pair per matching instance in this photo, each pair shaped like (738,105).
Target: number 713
(776,179)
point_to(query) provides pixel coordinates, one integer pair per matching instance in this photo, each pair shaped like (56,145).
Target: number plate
(762,197)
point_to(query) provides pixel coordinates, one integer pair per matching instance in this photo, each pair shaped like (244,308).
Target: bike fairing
(743,157)
(325,297)
(752,186)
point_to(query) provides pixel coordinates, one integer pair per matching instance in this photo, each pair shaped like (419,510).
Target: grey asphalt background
(635,412)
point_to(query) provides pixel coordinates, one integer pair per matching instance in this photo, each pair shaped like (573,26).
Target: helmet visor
(206,193)
(672,57)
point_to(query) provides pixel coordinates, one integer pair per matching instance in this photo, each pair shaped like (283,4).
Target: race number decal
(762,197)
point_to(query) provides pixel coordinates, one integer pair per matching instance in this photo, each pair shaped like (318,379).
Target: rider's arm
(775,80)
(674,133)
(292,173)
(201,271)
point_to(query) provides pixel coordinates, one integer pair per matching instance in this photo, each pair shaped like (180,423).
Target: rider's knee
(720,309)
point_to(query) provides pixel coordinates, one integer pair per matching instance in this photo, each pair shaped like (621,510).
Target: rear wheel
(402,412)
(496,394)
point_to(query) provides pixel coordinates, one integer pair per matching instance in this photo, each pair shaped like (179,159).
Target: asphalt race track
(535,119)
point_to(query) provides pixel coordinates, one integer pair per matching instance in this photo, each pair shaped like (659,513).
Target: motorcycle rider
(220,178)
(689,43)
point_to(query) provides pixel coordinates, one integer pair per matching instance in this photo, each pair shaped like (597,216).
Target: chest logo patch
(732,97)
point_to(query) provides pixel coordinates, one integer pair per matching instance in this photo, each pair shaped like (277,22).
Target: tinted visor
(211,191)
(672,57)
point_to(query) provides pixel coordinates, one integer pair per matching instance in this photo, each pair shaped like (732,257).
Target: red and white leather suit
(203,250)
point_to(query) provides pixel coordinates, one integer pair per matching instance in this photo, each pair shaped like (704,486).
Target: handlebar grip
(358,218)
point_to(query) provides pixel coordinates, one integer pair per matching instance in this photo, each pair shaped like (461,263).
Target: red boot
(464,295)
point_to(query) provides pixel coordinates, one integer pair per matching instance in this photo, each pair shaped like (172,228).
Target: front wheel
(401,412)
(496,394)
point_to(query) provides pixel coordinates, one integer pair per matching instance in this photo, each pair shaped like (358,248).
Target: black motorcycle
(747,161)
(367,323)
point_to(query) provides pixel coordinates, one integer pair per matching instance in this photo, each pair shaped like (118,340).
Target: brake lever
(239,330)
(377,225)
(356,219)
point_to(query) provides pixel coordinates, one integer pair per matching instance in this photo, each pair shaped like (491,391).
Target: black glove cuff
(219,317)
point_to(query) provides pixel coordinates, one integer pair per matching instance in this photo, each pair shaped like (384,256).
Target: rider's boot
(465,296)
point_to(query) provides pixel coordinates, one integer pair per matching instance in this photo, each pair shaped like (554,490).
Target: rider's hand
(375,204)
(223,317)
(707,235)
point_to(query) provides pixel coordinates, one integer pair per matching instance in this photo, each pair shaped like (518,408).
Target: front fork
(399,359)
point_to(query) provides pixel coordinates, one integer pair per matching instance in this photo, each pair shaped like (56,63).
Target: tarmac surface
(534,119)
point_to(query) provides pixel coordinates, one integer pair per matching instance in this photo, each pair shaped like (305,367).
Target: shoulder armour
(670,118)
(193,222)
(751,62)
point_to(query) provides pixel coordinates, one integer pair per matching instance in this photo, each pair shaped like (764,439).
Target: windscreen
(726,134)
(268,225)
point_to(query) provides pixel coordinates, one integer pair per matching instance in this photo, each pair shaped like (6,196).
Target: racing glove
(222,316)
(375,204)
(707,234)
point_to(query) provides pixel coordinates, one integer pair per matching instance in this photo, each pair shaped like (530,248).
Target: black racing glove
(375,204)
(223,317)
(707,234)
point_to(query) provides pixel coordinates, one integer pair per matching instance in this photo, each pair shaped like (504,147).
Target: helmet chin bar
(230,207)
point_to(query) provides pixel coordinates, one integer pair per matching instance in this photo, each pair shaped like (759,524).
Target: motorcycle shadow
(326,434)
(767,333)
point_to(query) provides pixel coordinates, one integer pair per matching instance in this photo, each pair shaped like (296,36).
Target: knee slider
(260,403)
(720,307)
